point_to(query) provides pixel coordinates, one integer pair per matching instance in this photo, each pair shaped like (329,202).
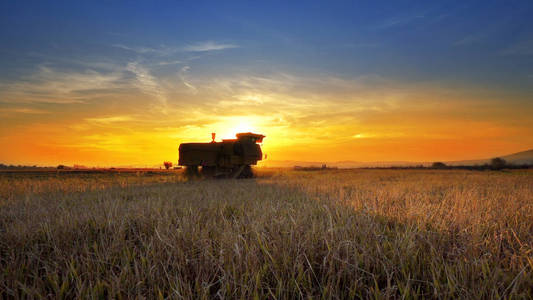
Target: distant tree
(498,163)
(60,167)
(438,165)
(168,164)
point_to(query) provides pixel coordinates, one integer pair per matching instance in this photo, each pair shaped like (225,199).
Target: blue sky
(337,64)
(485,42)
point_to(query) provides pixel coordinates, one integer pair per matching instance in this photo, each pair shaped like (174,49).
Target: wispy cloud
(48,85)
(470,39)
(371,135)
(183,77)
(148,84)
(23,110)
(169,50)
(208,46)
(167,63)
(145,50)
(51,60)
(109,120)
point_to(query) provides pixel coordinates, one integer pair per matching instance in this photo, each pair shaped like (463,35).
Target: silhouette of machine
(231,158)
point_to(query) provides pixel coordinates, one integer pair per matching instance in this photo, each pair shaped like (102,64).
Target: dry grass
(286,234)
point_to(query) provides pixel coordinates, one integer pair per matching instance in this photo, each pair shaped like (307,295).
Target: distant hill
(524,157)
(519,158)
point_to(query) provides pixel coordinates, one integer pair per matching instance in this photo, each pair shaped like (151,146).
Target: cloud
(166,50)
(144,50)
(287,90)
(109,120)
(470,39)
(313,106)
(48,85)
(382,135)
(23,110)
(208,46)
(289,108)
(78,62)
(182,74)
(167,63)
(148,84)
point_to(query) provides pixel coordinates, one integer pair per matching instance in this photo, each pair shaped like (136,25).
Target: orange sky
(361,119)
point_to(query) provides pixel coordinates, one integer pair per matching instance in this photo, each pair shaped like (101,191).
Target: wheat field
(286,234)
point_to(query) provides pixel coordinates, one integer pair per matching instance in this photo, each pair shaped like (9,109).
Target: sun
(243,127)
(230,126)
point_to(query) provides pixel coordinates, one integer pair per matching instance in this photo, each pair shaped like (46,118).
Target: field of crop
(285,234)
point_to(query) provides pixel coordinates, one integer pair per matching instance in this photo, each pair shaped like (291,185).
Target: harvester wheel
(247,172)
(237,171)
(209,172)
(191,171)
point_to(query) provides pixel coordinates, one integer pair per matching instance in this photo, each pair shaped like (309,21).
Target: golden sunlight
(228,127)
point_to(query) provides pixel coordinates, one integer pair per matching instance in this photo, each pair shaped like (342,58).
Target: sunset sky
(109,83)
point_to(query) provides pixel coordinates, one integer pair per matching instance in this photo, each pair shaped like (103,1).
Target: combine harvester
(230,158)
